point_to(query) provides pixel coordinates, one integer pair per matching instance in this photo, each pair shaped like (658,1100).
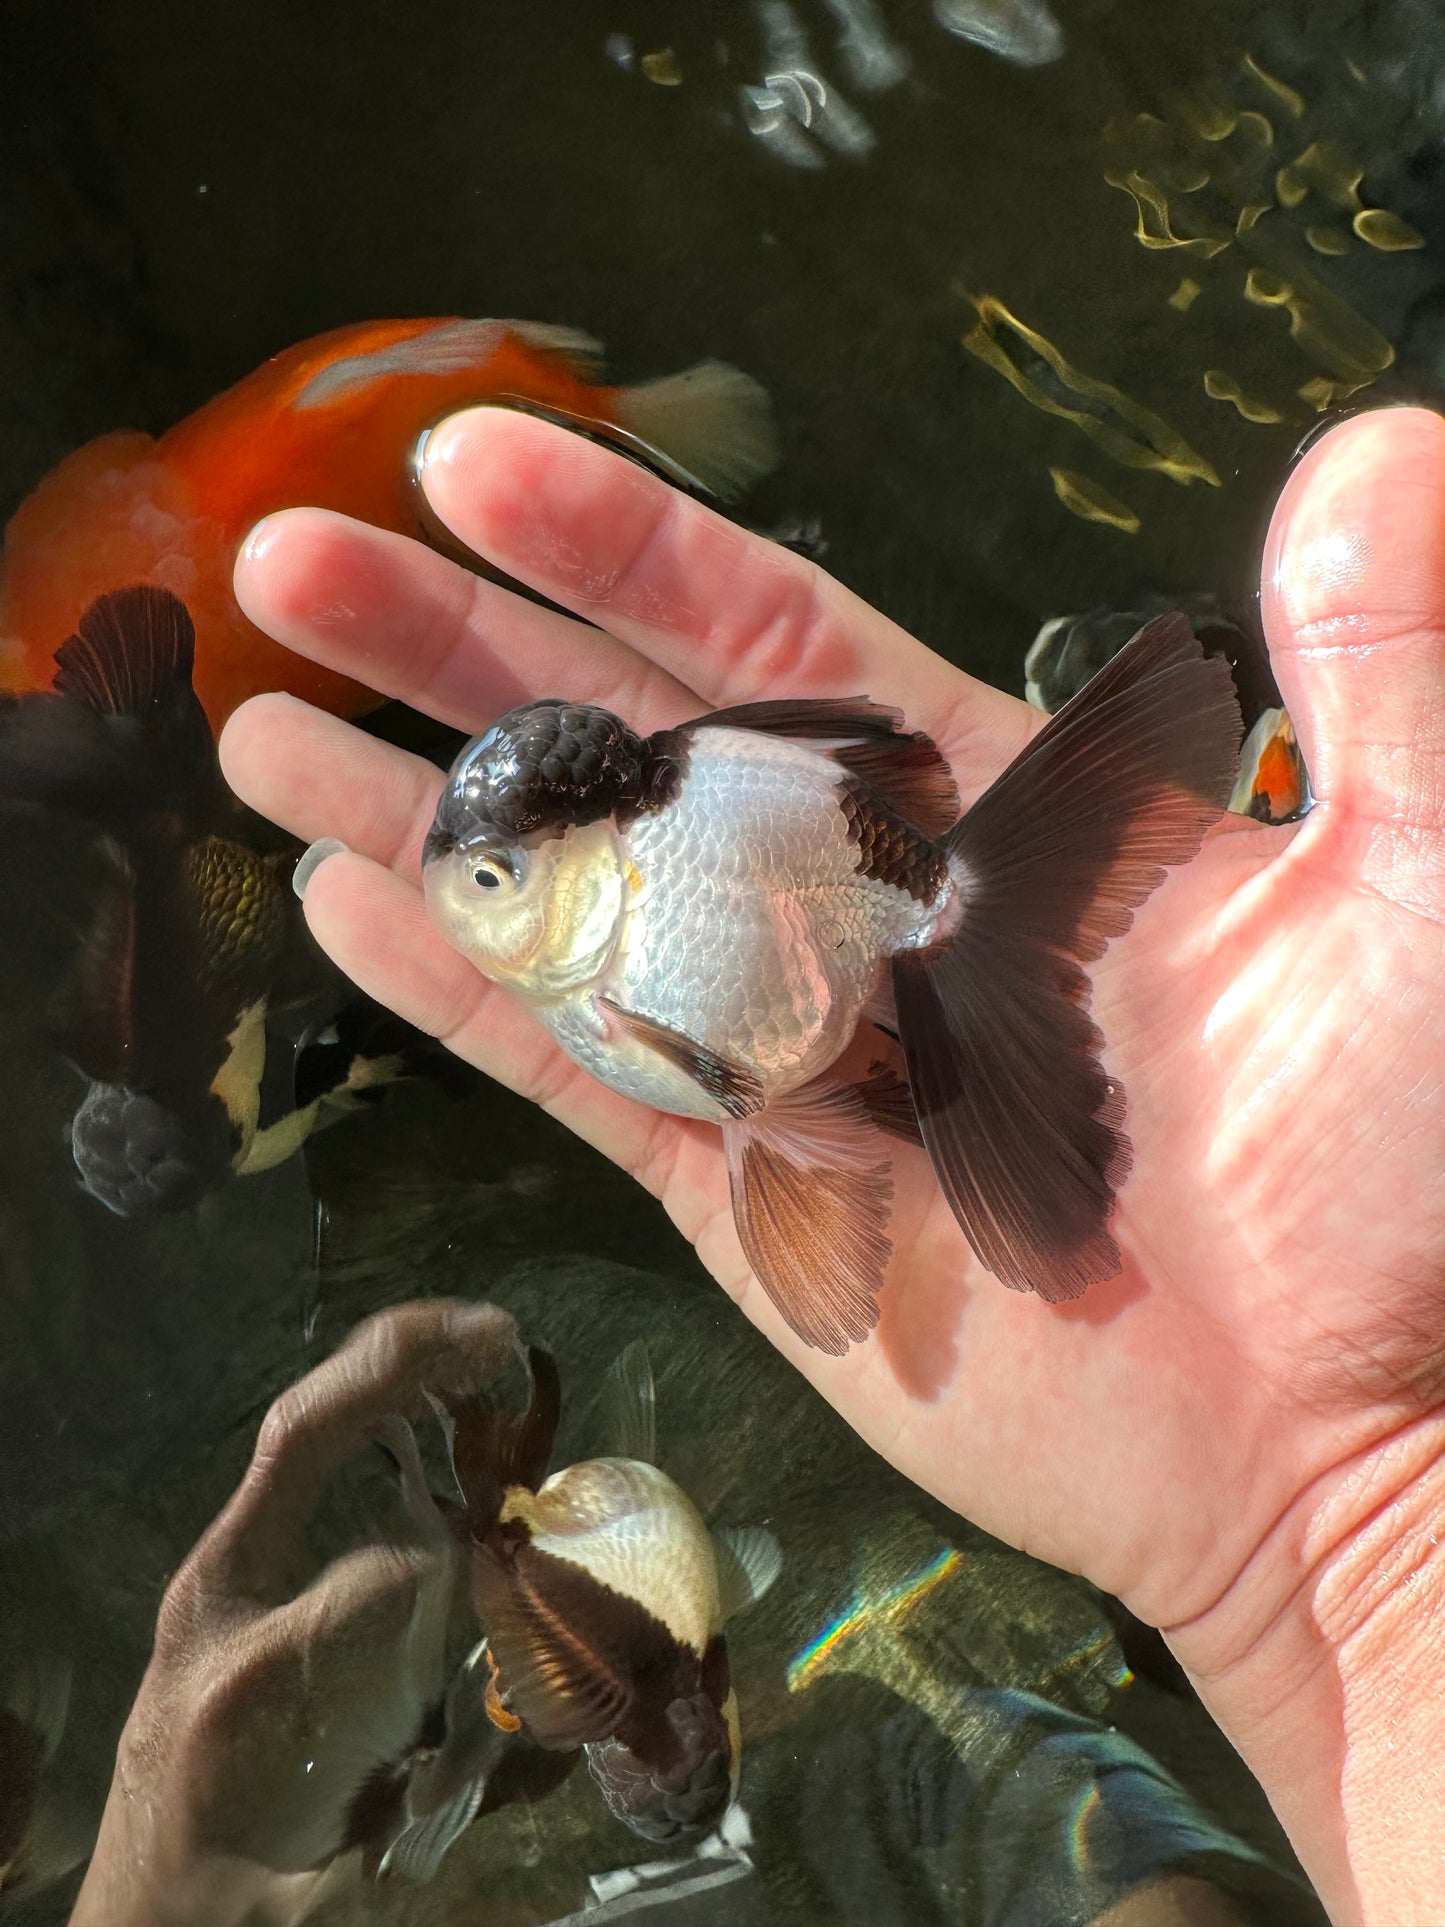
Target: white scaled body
(747,928)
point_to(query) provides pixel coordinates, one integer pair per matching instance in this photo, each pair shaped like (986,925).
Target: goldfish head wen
(523,866)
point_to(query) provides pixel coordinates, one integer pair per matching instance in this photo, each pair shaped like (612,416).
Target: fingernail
(259,542)
(311,861)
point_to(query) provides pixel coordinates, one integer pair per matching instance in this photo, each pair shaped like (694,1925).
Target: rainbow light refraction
(861,1612)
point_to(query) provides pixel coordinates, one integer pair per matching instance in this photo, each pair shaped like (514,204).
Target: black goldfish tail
(493,1448)
(1023,1123)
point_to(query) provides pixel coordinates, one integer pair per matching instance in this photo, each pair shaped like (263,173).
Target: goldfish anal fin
(904,768)
(1021,1120)
(731,1085)
(566,1646)
(493,1449)
(129,649)
(812,1198)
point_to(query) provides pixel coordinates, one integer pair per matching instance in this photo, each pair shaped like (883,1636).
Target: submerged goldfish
(604,1596)
(1273,785)
(703,918)
(194,941)
(333,423)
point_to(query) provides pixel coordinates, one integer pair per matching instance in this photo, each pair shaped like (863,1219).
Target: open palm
(1185,1433)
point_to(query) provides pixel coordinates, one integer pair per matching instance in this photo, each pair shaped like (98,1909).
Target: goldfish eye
(490,875)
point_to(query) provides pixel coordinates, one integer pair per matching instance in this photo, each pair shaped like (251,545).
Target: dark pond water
(1045,301)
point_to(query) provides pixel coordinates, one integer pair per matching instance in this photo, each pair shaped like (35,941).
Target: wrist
(1324,1663)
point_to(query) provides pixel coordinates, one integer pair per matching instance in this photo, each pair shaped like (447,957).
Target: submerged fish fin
(129,649)
(417,1854)
(903,767)
(713,422)
(629,1405)
(812,1195)
(1022,1122)
(731,1085)
(37,1693)
(749,1559)
(492,1448)
(581,353)
(565,1645)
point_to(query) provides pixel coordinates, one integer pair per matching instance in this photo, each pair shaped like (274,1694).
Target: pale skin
(1241,1435)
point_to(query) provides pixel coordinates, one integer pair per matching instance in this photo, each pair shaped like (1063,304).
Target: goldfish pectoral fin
(904,768)
(1021,1120)
(731,1085)
(812,1197)
(416,1854)
(712,422)
(563,1644)
(749,1559)
(492,1448)
(629,1405)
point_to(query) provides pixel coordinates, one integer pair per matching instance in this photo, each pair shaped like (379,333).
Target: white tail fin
(712,421)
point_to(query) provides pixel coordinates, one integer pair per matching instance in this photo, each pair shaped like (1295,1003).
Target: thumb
(1354,609)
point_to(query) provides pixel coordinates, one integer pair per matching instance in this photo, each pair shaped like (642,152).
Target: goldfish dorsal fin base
(712,422)
(129,648)
(579,352)
(749,1559)
(493,1449)
(812,1198)
(1021,1120)
(903,768)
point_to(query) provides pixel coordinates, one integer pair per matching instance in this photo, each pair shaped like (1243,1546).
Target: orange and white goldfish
(704,919)
(333,423)
(1273,784)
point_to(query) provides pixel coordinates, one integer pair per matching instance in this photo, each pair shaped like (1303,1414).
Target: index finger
(723,610)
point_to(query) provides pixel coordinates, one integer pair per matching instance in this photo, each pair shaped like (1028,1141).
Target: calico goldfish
(704,918)
(333,422)
(1273,785)
(604,1596)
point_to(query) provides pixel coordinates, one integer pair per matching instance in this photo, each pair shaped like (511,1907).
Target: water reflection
(318,1730)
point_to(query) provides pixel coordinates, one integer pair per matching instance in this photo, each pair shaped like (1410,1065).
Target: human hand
(268,1702)
(1240,1435)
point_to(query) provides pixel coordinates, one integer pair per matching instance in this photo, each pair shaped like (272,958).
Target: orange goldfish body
(334,423)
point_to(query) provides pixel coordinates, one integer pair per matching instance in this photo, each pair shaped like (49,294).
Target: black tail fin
(129,649)
(1022,1122)
(493,1448)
